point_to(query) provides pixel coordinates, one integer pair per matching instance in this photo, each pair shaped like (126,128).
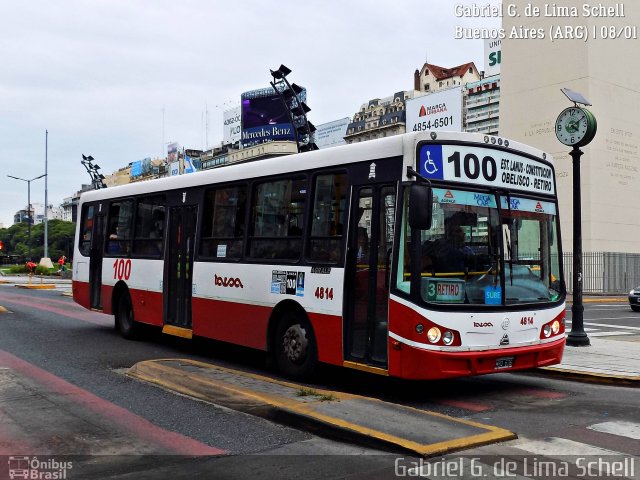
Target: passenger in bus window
(113,245)
(158,225)
(449,253)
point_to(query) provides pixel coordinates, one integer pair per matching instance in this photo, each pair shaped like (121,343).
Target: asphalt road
(62,391)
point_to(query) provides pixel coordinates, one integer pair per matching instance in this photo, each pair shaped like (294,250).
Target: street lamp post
(577,337)
(28,208)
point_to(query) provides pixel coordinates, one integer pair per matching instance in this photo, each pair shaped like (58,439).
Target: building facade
(532,73)
(379,118)
(431,78)
(482,106)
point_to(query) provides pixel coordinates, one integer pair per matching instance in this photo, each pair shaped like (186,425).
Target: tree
(60,234)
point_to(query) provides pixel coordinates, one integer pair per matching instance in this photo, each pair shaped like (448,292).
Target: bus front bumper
(420,364)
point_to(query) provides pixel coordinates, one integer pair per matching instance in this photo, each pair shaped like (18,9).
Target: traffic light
(1,245)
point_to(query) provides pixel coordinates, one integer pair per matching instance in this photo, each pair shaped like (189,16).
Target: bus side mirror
(420,206)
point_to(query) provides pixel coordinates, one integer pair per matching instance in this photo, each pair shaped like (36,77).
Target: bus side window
(119,230)
(223,223)
(150,225)
(87,230)
(277,218)
(328,218)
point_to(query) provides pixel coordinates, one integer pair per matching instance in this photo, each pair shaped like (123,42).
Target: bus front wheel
(125,323)
(295,349)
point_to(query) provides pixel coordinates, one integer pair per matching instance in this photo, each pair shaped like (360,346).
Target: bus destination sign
(471,164)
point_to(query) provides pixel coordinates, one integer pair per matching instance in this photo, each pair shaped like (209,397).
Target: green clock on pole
(576,126)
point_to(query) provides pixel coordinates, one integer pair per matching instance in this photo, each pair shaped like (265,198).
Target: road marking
(620,428)
(138,425)
(624,327)
(553,446)
(474,407)
(610,334)
(536,392)
(607,325)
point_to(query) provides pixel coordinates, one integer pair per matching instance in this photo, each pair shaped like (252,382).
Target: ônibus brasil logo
(227,282)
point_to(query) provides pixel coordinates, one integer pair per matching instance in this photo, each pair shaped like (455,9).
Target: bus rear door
(95,260)
(178,272)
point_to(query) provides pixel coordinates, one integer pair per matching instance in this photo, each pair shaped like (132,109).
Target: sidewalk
(607,361)
(612,360)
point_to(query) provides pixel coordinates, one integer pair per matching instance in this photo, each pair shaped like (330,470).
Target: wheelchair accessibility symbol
(430,166)
(431,161)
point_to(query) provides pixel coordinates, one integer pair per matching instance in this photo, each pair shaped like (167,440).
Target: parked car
(634,299)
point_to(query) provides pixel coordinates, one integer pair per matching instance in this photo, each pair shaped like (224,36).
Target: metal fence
(604,272)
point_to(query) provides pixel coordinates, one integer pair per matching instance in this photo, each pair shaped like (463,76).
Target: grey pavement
(613,361)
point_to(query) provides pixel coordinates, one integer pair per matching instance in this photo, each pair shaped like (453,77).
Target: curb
(591,377)
(43,286)
(311,415)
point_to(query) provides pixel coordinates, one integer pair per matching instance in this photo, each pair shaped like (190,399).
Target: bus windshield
(484,248)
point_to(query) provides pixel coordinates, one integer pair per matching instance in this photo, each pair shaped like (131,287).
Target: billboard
(332,134)
(437,111)
(172,152)
(264,118)
(141,167)
(232,127)
(492,57)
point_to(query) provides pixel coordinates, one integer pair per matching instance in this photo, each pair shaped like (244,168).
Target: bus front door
(95,262)
(179,265)
(367,277)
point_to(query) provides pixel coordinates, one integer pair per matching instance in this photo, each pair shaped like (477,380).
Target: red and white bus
(422,256)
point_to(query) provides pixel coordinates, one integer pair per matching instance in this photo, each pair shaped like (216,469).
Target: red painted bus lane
(44,414)
(59,307)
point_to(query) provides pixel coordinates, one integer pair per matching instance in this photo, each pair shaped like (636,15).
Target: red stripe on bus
(246,325)
(176,442)
(232,322)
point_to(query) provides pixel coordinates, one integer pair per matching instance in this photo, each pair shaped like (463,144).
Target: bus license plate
(504,362)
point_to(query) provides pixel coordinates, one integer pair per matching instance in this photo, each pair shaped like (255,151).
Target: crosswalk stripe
(610,334)
(553,446)
(620,428)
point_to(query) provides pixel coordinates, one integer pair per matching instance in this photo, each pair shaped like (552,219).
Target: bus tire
(125,323)
(296,353)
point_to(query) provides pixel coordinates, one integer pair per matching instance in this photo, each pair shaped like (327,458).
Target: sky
(118,79)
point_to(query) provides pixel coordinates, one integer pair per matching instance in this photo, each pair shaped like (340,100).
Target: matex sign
(485,166)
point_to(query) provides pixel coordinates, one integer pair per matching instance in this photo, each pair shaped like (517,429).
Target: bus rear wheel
(295,349)
(125,323)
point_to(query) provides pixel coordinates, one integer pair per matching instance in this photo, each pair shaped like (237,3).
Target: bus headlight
(448,338)
(419,328)
(555,327)
(546,330)
(433,335)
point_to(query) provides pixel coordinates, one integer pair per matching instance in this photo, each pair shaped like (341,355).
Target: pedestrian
(61,263)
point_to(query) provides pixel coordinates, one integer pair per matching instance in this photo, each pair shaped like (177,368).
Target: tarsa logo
(227,282)
(482,324)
